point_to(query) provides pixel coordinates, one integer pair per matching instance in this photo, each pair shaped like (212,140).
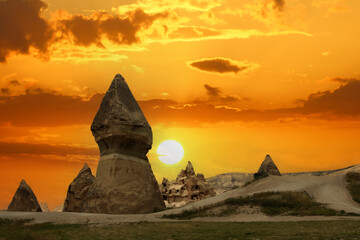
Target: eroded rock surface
(78,190)
(119,125)
(124,180)
(187,187)
(267,167)
(24,199)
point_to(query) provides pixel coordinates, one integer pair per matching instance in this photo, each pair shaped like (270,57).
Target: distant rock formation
(44,207)
(78,190)
(228,181)
(187,187)
(124,180)
(267,167)
(58,208)
(24,199)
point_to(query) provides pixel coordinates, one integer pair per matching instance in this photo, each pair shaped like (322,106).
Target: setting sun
(170,152)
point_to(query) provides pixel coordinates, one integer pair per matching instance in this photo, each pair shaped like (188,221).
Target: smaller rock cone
(78,189)
(24,199)
(267,167)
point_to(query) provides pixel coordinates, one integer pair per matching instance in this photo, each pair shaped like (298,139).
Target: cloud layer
(23,30)
(40,108)
(120,30)
(143,22)
(7,148)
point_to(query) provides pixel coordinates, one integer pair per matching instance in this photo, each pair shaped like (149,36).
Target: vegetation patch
(270,203)
(353,185)
(321,230)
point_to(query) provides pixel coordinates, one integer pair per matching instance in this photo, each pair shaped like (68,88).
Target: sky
(230,80)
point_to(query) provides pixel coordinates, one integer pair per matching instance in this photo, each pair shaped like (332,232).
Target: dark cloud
(5,91)
(279,4)
(22,28)
(212,91)
(344,101)
(14,83)
(218,65)
(215,94)
(120,30)
(45,149)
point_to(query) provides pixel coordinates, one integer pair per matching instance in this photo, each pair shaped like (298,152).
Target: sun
(170,152)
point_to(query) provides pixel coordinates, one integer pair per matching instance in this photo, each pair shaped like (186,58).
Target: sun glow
(170,152)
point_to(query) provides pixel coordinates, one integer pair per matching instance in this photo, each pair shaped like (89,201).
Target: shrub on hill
(353,185)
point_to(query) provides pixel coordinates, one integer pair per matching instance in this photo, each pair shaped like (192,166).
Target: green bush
(353,185)
(270,203)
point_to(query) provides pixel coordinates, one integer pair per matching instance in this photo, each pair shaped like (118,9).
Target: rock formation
(78,190)
(24,199)
(44,207)
(124,180)
(267,167)
(228,181)
(58,208)
(187,187)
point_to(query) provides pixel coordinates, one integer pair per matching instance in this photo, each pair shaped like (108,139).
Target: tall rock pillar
(124,180)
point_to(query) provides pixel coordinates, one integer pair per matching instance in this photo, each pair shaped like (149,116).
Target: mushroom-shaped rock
(24,199)
(78,189)
(119,126)
(267,167)
(124,181)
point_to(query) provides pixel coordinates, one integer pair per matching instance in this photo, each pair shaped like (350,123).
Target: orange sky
(230,80)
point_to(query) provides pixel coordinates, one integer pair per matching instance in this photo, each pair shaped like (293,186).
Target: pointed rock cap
(190,169)
(85,168)
(24,199)
(24,185)
(164,182)
(119,125)
(268,167)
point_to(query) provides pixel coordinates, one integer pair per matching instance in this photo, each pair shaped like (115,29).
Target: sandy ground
(329,189)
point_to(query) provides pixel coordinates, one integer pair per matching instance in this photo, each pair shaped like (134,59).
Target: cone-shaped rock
(120,126)
(124,181)
(24,199)
(267,167)
(78,189)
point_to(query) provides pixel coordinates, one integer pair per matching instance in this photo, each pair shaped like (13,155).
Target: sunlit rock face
(187,187)
(124,180)
(24,199)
